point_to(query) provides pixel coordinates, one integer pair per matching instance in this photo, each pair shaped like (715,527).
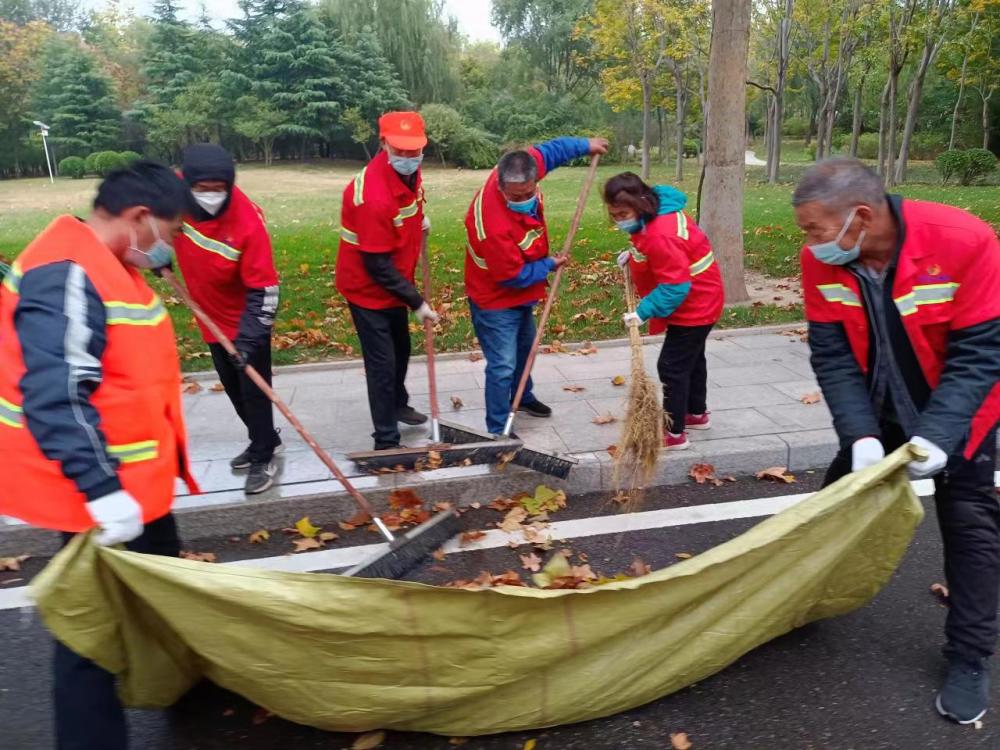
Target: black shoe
(409,415)
(243,460)
(536,409)
(260,478)
(388,447)
(966,692)
(501,436)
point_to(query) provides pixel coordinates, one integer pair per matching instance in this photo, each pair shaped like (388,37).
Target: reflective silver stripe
(129,314)
(83,366)
(703,265)
(406,212)
(213,246)
(907,304)
(475,258)
(348,236)
(682,226)
(529,239)
(636,255)
(839,293)
(131,453)
(926,294)
(13,278)
(477,212)
(270,306)
(11,414)
(359,188)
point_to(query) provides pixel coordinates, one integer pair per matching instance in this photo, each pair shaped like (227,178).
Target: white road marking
(578,528)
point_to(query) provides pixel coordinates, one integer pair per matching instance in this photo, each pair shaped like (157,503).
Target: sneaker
(409,415)
(536,409)
(672,442)
(243,461)
(388,446)
(966,692)
(698,421)
(260,478)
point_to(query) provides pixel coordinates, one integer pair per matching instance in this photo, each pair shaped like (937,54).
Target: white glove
(118,515)
(631,319)
(866,452)
(426,226)
(937,459)
(426,312)
(623,258)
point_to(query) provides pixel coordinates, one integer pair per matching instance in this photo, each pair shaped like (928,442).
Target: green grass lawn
(302,204)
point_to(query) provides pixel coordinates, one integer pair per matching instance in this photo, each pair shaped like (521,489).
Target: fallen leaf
(530,745)
(545,500)
(458,740)
(585,350)
(456,403)
(680,741)
(468,537)
(557,567)
(938,589)
(12,563)
(531,562)
(811,398)
(604,419)
(305,528)
(369,741)
(438,554)
(208,557)
(475,357)
(229,712)
(302,545)
(327,536)
(191,387)
(304,268)
(683,555)
(584,572)
(639,568)
(618,380)
(217,388)
(513,520)
(574,388)
(612,450)
(259,537)
(776,474)
(405,498)
(702,473)
(260,716)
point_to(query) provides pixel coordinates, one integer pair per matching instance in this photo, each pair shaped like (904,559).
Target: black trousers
(251,405)
(969,518)
(385,346)
(684,373)
(88,714)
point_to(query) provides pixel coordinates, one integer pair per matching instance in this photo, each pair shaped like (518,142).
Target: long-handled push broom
(405,551)
(642,430)
(544,461)
(463,447)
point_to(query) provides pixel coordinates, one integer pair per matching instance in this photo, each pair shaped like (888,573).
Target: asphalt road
(864,681)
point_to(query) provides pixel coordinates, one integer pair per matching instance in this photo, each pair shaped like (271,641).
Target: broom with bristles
(642,430)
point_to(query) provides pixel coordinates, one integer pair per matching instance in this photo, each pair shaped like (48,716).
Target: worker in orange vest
(91,424)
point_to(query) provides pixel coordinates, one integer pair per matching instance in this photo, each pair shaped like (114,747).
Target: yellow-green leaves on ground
(305,528)
(545,500)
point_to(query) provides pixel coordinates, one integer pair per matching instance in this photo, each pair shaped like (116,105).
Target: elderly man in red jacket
(903,303)
(225,256)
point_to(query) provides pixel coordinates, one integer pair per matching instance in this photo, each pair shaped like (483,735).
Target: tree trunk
(725,143)
(932,43)
(857,121)
(647,122)
(883,117)
(778,111)
(986,117)
(958,102)
(890,154)
(681,101)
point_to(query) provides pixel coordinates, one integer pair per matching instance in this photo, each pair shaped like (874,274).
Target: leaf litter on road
(776,474)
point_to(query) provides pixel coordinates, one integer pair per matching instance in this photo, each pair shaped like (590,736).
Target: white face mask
(211,202)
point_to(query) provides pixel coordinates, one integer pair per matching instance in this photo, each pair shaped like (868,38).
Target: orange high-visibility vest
(138,399)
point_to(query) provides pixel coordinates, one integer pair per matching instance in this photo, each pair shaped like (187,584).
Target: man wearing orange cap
(382,227)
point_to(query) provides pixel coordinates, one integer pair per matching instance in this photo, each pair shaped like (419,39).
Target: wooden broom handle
(259,381)
(429,334)
(581,204)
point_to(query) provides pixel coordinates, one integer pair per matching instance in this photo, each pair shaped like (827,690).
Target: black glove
(239,360)
(158,272)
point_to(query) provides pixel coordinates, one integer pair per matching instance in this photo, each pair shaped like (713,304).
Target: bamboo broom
(642,430)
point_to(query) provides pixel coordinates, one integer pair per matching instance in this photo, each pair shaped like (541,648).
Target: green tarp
(354,655)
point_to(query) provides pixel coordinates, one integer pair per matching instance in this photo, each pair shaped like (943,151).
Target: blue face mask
(405,165)
(832,253)
(159,255)
(524,207)
(631,226)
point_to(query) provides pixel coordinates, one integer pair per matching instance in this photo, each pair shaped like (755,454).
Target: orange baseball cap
(403,130)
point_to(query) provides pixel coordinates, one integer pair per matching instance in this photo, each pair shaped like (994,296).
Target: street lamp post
(45,145)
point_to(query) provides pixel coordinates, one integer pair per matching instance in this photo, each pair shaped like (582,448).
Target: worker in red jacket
(507,263)
(903,303)
(225,256)
(673,269)
(382,230)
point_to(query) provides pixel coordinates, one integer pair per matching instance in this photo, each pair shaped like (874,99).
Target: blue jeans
(506,337)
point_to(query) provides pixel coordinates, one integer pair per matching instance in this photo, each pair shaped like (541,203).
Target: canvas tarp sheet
(354,655)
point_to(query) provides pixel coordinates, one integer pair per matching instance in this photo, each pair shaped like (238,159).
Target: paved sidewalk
(756,380)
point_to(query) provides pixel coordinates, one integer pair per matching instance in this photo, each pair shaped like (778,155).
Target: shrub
(979,162)
(107,161)
(90,163)
(692,147)
(73,166)
(868,146)
(927,146)
(128,157)
(811,150)
(796,127)
(841,142)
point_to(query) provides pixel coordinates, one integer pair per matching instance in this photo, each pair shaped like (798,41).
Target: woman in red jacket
(675,273)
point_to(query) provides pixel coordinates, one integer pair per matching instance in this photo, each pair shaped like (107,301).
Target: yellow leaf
(530,745)
(368,741)
(557,567)
(259,537)
(305,528)
(208,557)
(618,380)
(303,268)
